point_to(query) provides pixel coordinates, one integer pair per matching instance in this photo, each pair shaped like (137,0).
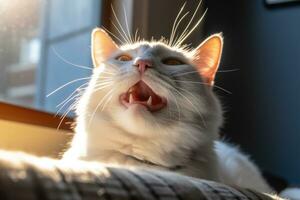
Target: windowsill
(20,114)
(32,139)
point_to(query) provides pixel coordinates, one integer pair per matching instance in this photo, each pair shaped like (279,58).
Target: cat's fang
(149,102)
(130,98)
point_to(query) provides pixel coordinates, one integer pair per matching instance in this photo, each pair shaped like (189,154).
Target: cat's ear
(207,57)
(102,46)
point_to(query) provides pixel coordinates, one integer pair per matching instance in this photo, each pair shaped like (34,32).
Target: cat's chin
(137,109)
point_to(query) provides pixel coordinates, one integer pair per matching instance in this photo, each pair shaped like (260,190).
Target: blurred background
(42,40)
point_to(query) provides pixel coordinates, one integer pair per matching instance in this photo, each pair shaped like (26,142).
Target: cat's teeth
(130,98)
(149,102)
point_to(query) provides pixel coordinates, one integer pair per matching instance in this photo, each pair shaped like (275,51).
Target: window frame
(32,116)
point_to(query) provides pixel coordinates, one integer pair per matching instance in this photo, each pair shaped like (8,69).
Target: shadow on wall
(264,111)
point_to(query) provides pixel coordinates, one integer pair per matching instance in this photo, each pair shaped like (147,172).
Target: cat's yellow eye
(124,58)
(172,61)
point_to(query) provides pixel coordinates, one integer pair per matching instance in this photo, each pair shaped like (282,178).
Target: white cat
(151,104)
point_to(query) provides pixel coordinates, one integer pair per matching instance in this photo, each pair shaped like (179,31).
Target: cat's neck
(160,149)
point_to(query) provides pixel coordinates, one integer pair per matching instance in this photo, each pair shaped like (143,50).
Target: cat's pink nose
(142,65)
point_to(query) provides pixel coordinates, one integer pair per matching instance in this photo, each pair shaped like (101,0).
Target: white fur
(291,193)
(237,169)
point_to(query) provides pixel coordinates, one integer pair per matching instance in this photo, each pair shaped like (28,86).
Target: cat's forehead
(155,48)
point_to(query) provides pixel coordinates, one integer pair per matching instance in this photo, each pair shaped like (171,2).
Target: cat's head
(146,88)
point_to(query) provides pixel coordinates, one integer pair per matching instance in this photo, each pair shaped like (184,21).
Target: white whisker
(186,91)
(179,22)
(106,102)
(70,108)
(122,29)
(112,34)
(184,37)
(191,20)
(66,103)
(98,105)
(68,62)
(228,70)
(136,35)
(197,72)
(173,32)
(127,26)
(97,88)
(191,103)
(76,90)
(70,82)
(72,96)
(121,34)
(202,83)
(177,105)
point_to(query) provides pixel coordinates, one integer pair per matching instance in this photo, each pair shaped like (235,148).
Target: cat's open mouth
(141,93)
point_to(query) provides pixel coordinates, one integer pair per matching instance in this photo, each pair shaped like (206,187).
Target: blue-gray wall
(67,25)
(263,113)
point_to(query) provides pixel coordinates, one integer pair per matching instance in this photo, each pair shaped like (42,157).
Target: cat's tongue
(142,94)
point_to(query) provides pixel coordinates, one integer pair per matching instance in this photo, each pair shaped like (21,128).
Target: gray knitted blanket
(30,178)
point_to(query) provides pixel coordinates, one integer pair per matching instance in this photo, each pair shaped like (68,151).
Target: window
(39,39)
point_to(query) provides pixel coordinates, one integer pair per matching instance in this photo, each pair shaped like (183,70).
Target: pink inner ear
(102,46)
(207,57)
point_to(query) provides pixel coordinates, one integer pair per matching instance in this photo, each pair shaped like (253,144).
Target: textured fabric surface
(31,178)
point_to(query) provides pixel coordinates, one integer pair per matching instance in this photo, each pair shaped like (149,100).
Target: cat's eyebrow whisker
(173,32)
(136,38)
(127,26)
(179,22)
(118,22)
(117,38)
(202,83)
(68,83)
(68,62)
(126,40)
(185,34)
(192,18)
